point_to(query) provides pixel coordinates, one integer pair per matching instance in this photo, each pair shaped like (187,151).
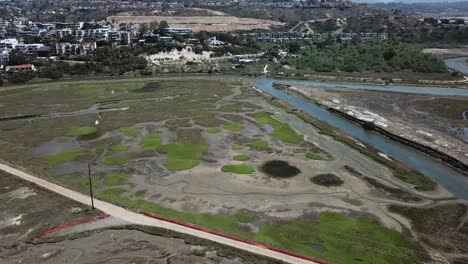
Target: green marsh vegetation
(241,158)
(238,169)
(119,148)
(259,144)
(281,130)
(115,178)
(78,131)
(313,156)
(234,126)
(213,130)
(116,160)
(66,156)
(182,154)
(343,238)
(130,132)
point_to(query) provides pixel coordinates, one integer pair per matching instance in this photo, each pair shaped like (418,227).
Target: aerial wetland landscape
(227,154)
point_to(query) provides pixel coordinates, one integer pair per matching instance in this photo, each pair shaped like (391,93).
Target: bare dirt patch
(199,23)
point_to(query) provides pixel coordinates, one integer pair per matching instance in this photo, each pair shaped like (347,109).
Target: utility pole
(90,186)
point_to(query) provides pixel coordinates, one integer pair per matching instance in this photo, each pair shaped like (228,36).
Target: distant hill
(434,8)
(357,18)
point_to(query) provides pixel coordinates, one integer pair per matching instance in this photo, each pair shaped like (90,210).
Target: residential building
(29,48)
(8,44)
(177,31)
(4,57)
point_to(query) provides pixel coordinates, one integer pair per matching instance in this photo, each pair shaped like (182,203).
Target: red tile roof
(21,66)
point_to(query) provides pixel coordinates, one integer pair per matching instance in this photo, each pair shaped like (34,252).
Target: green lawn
(241,157)
(116,160)
(213,130)
(151,142)
(259,144)
(65,156)
(281,130)
(130,132)
(238,169)
(313,156)
(78,131)
(115,178)
(234,126)
(119,148)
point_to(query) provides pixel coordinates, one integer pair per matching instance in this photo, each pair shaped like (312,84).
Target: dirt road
(141,219)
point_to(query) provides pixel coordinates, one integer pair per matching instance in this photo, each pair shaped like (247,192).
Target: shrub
(21,77)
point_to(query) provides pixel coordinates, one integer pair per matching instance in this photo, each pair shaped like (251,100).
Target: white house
(8,44)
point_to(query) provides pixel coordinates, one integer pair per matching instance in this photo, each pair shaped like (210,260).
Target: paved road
(140,219)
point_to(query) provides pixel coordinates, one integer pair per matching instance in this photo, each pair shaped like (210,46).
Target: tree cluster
(370,57)
(119,60)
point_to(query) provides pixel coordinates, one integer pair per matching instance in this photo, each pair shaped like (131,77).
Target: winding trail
(147,220)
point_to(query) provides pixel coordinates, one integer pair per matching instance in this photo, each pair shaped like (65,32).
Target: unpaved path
(140,219)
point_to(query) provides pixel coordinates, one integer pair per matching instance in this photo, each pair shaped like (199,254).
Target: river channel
(451,179)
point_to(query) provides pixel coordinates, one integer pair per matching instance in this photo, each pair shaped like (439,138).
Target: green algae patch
(237,147)
(183,155)
(213,130)
(116,160)
(65,156)
(313,156)
(115,178)
(130,132)
(234,126)
(78,131)
(238,169)
(259,144)
(151,142)
(119,148)
(241,158)
(243,217)
(281,130)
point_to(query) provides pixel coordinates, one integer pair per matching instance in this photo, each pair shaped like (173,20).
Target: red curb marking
(79,222)
(286,252)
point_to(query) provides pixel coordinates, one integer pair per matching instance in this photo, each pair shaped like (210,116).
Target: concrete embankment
(452,161)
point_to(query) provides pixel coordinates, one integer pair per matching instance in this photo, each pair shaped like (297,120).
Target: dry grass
(198,23)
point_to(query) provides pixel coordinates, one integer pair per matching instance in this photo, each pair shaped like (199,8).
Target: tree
(163,25)
(165,7)
(294,47)
(153,26)
(143,29)
(52,72)
(1,82)
(21,77)
(17,58)
(431,20)
(389,54)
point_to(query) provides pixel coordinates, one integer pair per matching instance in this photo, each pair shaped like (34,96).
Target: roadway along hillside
(141,219)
